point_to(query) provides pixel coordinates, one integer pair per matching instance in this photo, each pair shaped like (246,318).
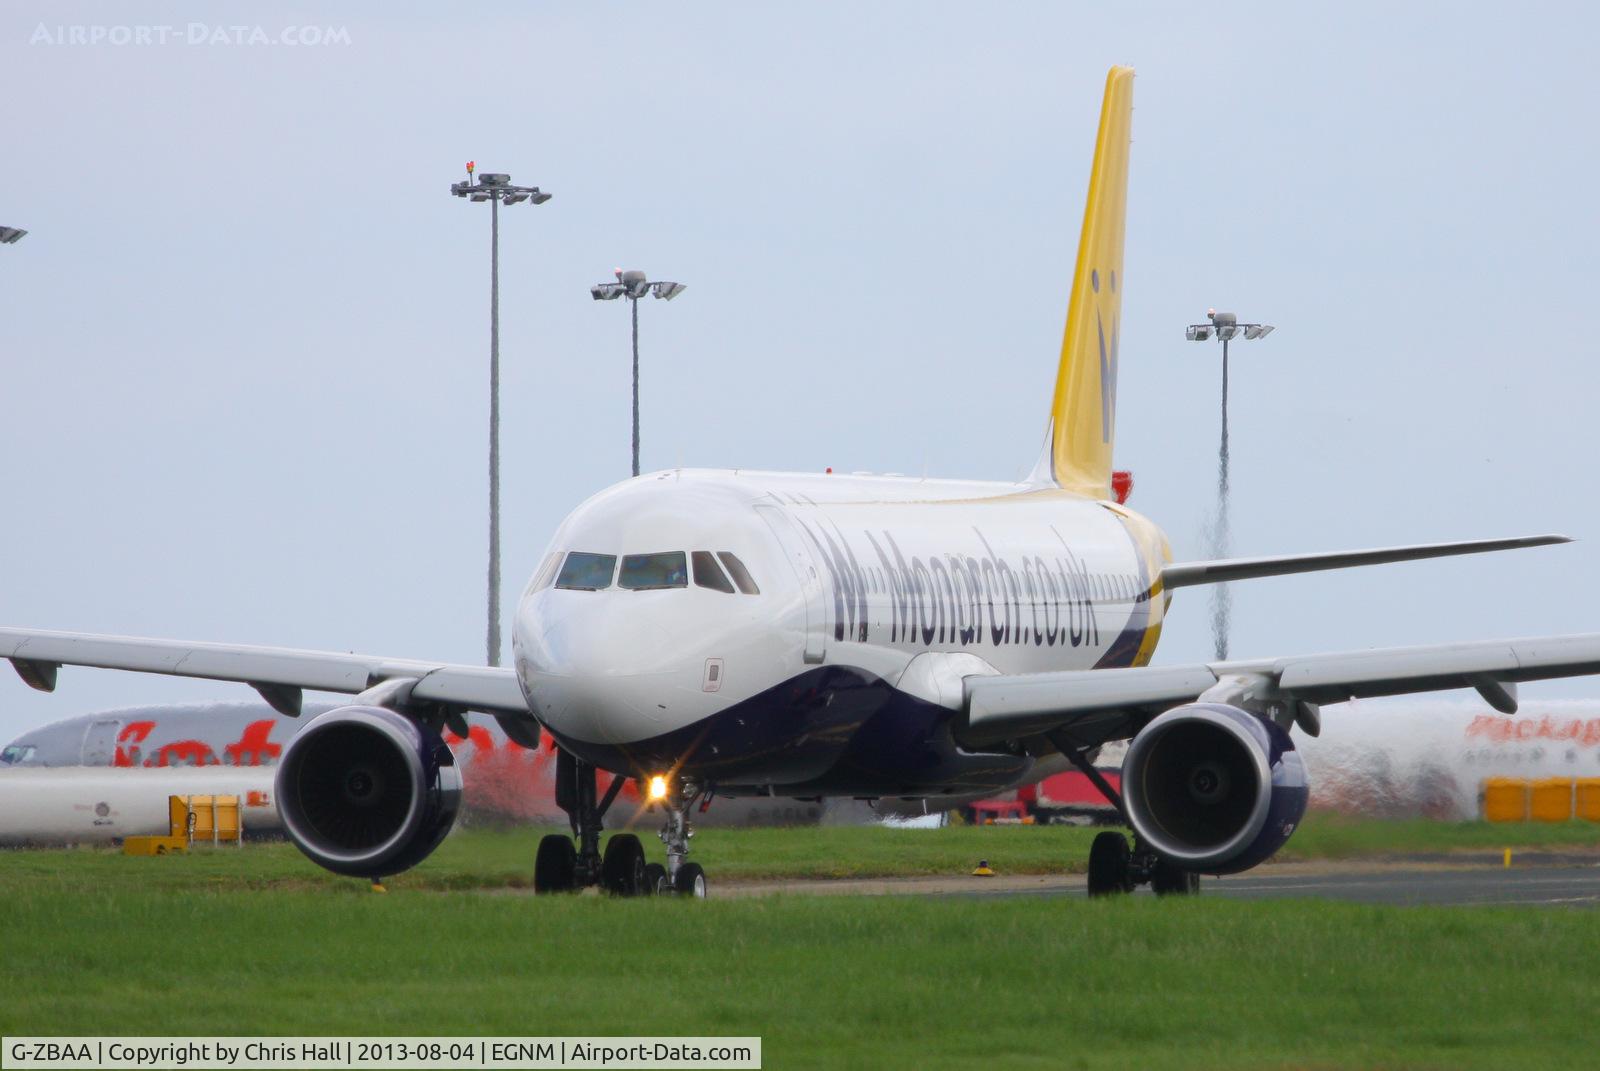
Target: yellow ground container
(205,818)
(1550,799)
(1505,799)
(1586,799)
(154,845)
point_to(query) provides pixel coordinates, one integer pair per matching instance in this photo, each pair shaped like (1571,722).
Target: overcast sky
(245,343)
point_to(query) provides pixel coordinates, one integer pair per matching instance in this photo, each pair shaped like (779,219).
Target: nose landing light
(657,788)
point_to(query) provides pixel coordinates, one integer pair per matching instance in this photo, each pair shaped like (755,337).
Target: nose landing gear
(680,877)
(562,866)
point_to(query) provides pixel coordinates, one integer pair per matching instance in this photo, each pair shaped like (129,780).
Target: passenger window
(647,572)
(707,573)
(741,575)
(586,572)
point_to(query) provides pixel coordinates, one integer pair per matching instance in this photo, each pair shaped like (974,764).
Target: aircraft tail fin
(1083,412)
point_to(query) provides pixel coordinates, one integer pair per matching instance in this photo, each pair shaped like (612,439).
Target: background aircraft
(503,782)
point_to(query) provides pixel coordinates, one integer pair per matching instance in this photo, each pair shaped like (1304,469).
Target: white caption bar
(318,1053)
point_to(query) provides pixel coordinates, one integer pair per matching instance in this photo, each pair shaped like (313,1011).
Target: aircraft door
(805,569)
(100,742)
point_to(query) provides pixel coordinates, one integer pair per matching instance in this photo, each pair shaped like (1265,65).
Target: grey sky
(245,341)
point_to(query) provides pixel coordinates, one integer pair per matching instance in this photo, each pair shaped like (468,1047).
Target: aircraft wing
(1186,574)
(1108,704)
(279,674)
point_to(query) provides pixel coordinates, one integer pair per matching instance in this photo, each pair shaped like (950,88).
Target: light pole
(495,188)
(1225,327)
(633,286)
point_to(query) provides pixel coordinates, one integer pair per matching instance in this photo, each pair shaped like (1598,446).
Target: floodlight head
(1261,331)
(11,235)
(667,290)
(605,291)
(480,197)
(539,196)
(1198,332)
(515,198)
(1228,332)
(633,282)
(494,178)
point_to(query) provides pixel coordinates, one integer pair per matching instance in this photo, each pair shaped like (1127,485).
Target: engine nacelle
(367,792)
(1213,788)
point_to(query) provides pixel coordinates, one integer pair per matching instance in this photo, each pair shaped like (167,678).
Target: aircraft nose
(600,670)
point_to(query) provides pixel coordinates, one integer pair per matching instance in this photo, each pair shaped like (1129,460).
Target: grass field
(480,859)
(257,940)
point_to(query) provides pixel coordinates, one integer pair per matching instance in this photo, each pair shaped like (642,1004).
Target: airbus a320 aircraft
(753,633)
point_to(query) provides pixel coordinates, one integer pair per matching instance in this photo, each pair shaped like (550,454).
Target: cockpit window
(708,574)
(587,572)
(740,574)
(645,572)
(547,571)
(17,755)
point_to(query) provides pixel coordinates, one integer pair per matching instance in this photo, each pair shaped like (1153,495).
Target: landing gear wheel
(1171,880)
(555,867)
(690,881)
(1108,865)
(622,871)
(655,880)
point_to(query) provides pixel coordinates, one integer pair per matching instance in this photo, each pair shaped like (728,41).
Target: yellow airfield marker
(983,870)
(1508,858)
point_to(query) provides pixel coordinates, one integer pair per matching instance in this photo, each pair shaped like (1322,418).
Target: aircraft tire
(555,866)
(1170,880)
(655,879)
(622,871)
(690,881)
(1108,865)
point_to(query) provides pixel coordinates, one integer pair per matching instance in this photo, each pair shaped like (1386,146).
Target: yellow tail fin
(1084,412)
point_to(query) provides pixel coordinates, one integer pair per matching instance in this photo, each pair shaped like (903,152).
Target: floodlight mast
(495,188)
(633,285)
(1225,327)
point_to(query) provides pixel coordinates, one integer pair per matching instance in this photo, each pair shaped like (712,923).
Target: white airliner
(750,633)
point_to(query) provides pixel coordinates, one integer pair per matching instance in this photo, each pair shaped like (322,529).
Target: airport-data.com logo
(191,35)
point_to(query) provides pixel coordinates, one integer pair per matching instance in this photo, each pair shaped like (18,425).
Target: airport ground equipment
(210,819)
(1541,799)
(163,845)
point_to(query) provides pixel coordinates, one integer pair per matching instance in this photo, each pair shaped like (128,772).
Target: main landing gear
(1113,866)
(562,866)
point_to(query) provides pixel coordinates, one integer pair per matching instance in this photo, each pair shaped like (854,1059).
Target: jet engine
(1213,788)
(367,792)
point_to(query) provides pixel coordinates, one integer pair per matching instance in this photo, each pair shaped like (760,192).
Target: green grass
(1332,836)
(827,982)
(487,859)
(258,941)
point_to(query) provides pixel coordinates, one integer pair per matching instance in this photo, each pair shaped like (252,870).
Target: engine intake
(1213,788)
(367,792)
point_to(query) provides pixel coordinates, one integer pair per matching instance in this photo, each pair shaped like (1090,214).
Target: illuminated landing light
(658,788)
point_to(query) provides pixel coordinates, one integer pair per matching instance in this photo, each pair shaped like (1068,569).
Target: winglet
(1083,412)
